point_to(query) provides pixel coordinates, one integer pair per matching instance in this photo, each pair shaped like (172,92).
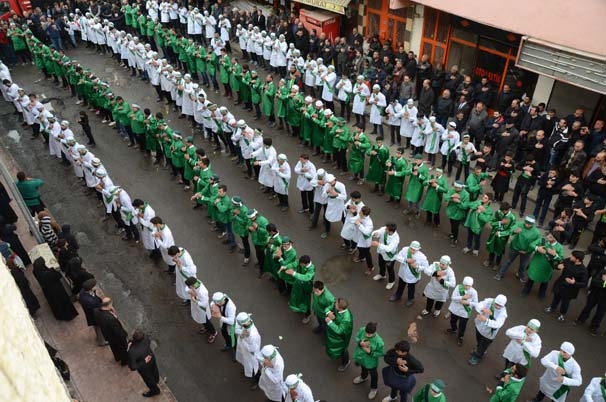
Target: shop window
(390,28)
(521,81)
(400,31)
(430,19)
(438,57)
(491,66)
(373,24)
(443,28)
(400,12)
(493,45)
(463,56)
(376,4)
(426,49)
(464,35)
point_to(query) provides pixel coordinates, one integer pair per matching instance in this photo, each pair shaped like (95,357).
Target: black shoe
(394,298)
(149,394)
(225,348)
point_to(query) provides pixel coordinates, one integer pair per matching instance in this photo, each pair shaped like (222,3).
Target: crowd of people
(557,167)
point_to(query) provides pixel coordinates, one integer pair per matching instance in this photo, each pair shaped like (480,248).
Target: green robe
(236,77)
(376,165)
(377,350)
(188,173)
(457,210)
(17,38)
(151,129)
(302,286)
(424,395)
(203,183)
(341,137)
(541,266)
(499,234)
(322,304)
(396,181)
(282,93)
(477,220)
(293,110)
(338,333)
(327,139)
(414,192)
(245,88)
(508,392)
(433,197)
(137,124)
(526,240)
(268,99)
(317,128)
(357,153)
(209,194)
(271,263)
(260,237)
(240,222)
(200,59)
(223,209)
(177,153)
(306,123)
(224,69)
(473,186)
(257,88)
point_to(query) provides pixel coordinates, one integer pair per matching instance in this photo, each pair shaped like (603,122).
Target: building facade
(535,49)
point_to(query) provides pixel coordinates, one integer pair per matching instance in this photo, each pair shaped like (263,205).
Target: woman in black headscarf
(56,296)
(6,210)
(77,274)
(31,301)
(8,235)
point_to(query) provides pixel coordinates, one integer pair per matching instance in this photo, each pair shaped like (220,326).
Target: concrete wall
(577,25)
(28,374)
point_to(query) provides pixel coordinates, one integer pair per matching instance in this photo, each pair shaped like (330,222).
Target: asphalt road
(145,297)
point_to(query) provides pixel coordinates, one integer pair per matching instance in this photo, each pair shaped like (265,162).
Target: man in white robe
(224,309)
(248,346)
(525,344)
(489,320)
(561,372)
(185,268)
(412,263)
(297,390)
(145,213)
(272,373)
(163,240)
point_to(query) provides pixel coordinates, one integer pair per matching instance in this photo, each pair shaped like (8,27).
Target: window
(463,56)
(373,24)
(376,4)
(443,27)
(430,18)
(464,35)
(400,12)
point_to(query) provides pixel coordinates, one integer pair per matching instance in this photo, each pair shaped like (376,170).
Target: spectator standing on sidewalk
(90,301)
(28,188)
(141,358)
(112,330)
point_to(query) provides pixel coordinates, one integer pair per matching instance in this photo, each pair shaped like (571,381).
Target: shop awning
(336,6)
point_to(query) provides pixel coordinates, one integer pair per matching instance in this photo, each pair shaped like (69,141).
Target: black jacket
(137,352)
(571,270)
(111,327)
(89,303)
(414,365)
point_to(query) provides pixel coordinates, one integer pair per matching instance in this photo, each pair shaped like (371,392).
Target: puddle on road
(338,269)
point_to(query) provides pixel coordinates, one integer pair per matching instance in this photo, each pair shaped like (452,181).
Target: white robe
(432,140)
(456,307)
(434,289)
(281,178)
(127,211)
(593,392)
(409,116)
(334,205)
(187,107)
(88,169)
(388,247)
(185,269)
(147,227)
(360,94)
(393,112)
(266,158)
(405,272)
(491,326)
(377,103)
(363,232)
(248,346)
(328,87)
(449,144)
(419,133)
(200,311)
(164,242)
(272,379)
(349,227)
(548,383)
(303,393)
(344,88)
(304,178)
(514,351)
(54,143)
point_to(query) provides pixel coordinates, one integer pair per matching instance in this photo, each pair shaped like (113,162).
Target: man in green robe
(395,168)
(321,302)
(259,236)
(240,224)
(501,225)
(341,137)
(287,259)
(379,154)
(307,110)
(479,215)
(457,204)
(547,255)
(245,88)
(177,150)
(273,251)
(475,181)
(190,161)
(137,125)
(418,173)
(224,216)
(282,93)
(256,89)
(359,145)
(236,80)
(203,173)
(525,238)
(369,350)
(437,186)
(225,72)
(339,327)
(268,96)
(300,277)
(433,392)
(330,121)
(510,384)
(294,104)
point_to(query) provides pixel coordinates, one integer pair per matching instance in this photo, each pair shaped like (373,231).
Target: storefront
(335,18)
(479,50)
(387,22)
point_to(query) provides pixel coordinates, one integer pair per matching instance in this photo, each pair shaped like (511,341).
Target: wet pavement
(145,297)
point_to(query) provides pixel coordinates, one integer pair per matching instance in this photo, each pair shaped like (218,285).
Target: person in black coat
(50,281)
(66,253)
(595,297)
(8,235)
(112,330)
(77,274)
(30,299)
(399,375)
(141,358)
(90,301)
(566,287)
(6,210)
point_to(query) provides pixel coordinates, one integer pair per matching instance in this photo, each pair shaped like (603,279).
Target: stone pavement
(95,376)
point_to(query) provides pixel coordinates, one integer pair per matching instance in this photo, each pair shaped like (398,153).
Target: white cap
(101,172)
(415,244)
(567,347)
(95,161)
(241,123)
(376,86)
(410,101)
(468,281)
(243,318)
(534,324)
(319,103)
(329,177)
(320,172)
(309,99)
(223,109)
(292,381)
(64,123)
(218,297)
(432,119)
(445,260)
(327,112)
(501,300)
(452,124)
(282,157)
(267,351)
(135,105)
(295,87)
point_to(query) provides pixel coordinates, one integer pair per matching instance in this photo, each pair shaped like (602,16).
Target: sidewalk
(95,376)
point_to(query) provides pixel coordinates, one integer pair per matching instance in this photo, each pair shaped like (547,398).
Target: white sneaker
(424,312)
(359,380)
(436,313)
(475,253)
(378,277)
(372,394)
(389,285)
(466,250)
(388,399)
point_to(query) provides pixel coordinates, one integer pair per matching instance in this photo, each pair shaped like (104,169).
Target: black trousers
(402,285)
(462,324)
(387,266)
(260,254)
(317,211)
(119,350)
(562,302)
(374,376)
(482,345)
(430,302)
(530,283)
(594,298)
(364,252)
(225,332)
(307,200)
(150,375)
(454,228)
(246,245)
